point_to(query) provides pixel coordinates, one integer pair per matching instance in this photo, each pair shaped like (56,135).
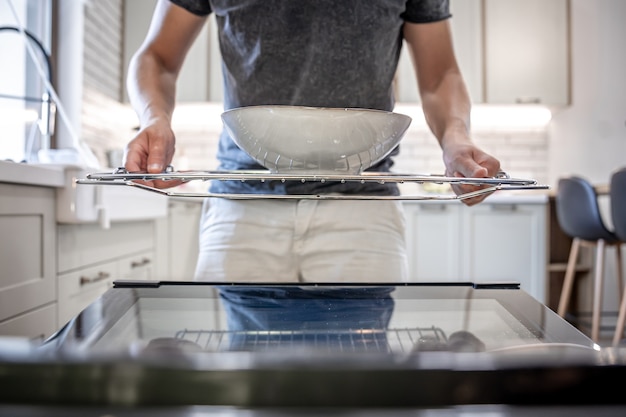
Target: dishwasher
(241,349)
(174,348)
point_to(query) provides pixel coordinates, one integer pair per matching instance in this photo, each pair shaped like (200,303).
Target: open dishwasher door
(342,347)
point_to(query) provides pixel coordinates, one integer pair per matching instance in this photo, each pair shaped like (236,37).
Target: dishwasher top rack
(352,340)
(121,176)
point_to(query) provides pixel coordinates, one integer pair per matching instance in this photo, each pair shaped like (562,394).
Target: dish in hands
(315,140)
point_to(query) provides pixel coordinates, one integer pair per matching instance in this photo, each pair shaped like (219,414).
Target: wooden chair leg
(568,281)
(619,272)
(621,320)
(597,291)
(621,317)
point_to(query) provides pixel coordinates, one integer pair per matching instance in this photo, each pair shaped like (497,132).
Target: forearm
(151,88)
(447,108)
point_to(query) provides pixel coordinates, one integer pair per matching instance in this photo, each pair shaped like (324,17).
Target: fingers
(470,162)
(151,151)
(135,156)
(473,163)
(159,157)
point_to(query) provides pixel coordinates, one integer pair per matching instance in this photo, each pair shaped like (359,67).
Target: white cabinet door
(509,52)
(466,27)
(177,245)
(216,86)
(184,223)
(433,241)
(526,51)
(484,243)
(195,81)
(506,242)
(405,88)
(27,248)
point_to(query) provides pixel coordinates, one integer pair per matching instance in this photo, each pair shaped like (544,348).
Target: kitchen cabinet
(27,256)
(509,51)
(36,325)
(526,51)
(200,78)
(179,242)
(140,266)
(499,241)
(78,289)
(467,32)
(90,258)
(433,243)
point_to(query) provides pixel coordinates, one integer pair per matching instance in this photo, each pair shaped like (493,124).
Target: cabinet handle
(101,276)
(504,207)
(528,100)
(433,207)
(138,264)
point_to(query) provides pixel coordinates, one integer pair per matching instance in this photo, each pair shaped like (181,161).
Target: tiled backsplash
(108,124)
(522,154)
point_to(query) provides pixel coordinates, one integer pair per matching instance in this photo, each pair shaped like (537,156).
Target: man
(319,53)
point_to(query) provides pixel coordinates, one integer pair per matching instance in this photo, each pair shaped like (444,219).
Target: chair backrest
(578,212)
(618,202)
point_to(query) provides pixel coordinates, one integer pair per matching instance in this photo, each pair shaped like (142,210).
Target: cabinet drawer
(140,266)
(37,325)
(81,245)
(80,288)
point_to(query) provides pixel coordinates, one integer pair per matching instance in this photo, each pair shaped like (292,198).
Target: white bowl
(315,140)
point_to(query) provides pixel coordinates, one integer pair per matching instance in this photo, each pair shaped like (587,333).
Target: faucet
(46,123)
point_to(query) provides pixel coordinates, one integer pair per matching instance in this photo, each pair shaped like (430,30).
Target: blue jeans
(261,318)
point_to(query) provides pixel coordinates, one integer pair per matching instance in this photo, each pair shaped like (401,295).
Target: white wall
(589,137)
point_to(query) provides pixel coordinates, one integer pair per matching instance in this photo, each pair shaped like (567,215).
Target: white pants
(302,241)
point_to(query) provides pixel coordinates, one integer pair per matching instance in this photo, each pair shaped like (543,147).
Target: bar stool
(617,194)
(579,217)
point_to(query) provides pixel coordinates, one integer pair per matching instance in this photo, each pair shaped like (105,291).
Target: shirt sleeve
(197,7)
(425,11)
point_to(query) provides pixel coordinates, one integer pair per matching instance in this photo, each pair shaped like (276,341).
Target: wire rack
(137,179)
(357,340)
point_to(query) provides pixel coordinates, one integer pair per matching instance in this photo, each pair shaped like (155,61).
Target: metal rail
(136,179)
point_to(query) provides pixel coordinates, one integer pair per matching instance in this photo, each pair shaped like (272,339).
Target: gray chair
(617,195)
(579,216)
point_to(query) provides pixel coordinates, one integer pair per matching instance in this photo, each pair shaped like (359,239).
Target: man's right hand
(151,151)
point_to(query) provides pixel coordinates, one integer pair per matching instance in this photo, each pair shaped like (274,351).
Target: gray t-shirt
(319,53)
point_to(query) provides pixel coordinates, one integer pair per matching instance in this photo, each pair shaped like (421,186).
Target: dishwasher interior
(309,347)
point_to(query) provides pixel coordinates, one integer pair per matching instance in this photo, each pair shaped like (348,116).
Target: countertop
(32,174)
(87,204)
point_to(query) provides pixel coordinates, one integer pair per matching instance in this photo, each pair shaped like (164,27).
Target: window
(26,111)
